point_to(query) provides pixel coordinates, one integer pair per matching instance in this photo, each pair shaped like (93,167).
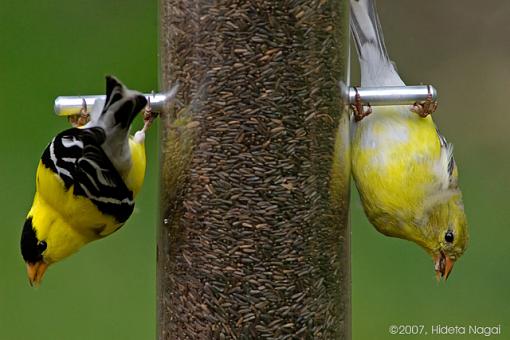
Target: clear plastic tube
(254,234)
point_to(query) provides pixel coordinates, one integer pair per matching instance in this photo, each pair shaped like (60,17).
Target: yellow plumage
(400,166)
(396,152)
(136,175)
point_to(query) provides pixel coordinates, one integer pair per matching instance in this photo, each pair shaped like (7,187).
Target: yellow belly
(81,213)
(394,152)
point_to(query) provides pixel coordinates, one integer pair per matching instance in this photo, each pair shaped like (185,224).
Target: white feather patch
(54,160)
(139,137)
(70,142)
(106,199)
(382,133)
(441,166)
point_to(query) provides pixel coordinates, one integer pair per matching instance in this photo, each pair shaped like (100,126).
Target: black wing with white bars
(76,156)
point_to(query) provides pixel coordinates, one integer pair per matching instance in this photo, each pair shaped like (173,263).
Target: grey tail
(121,104)
(376,66)
(366,29)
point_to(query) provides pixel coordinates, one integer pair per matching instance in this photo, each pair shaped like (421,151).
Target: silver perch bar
(392,95)
(71,105)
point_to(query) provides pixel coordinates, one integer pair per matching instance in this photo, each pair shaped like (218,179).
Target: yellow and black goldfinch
(86,182)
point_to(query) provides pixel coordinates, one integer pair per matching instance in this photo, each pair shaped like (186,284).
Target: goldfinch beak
(443,266)
(35,272)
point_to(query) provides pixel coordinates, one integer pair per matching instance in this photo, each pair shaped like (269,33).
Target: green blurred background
(107,290)
(52,48)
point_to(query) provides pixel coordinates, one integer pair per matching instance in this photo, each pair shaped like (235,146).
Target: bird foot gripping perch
(425,107)
(148,115)
(423,98)
(357,107)
(82,117)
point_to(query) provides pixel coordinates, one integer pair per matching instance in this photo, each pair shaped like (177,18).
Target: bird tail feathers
(121,105)
(376,67)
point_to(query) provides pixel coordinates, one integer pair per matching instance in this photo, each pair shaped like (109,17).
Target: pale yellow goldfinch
(403,169)
(86,182)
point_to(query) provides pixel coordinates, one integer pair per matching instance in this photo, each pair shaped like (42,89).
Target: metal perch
(375,96)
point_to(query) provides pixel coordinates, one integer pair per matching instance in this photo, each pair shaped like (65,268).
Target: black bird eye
(41,246)
(448,237)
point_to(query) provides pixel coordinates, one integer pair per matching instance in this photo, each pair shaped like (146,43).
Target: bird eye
(42,246)
(448,237)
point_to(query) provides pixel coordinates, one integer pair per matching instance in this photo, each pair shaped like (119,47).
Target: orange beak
(35,272)
(443,266)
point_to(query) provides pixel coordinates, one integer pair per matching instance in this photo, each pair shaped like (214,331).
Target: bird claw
(148,116)
(82,118)
(425,107)
(357,107)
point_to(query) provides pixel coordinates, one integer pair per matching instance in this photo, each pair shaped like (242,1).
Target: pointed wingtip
(112,78)
(122,101)
(111,83)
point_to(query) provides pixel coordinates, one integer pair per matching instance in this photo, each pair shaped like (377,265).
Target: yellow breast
(394,152)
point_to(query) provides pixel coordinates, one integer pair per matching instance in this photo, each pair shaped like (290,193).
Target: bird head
(45,241)
(445,235)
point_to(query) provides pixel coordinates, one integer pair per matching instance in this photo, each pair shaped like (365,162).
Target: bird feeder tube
(254,236)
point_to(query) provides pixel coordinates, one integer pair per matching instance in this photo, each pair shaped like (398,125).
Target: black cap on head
(31,248)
